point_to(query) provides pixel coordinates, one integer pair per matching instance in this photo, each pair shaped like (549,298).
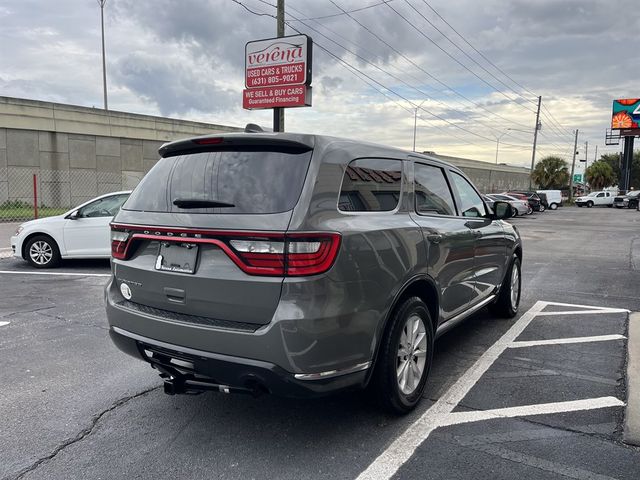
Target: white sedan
(82,232)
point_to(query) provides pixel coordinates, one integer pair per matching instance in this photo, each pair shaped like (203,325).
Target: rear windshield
(252,181)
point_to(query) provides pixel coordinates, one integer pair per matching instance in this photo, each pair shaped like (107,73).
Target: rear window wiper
(196,203)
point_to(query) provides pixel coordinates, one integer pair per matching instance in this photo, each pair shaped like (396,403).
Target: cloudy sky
(474,68)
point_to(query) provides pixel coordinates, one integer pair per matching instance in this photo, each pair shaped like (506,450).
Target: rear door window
(471,205)
(371,185)
(432,192)
(250,182)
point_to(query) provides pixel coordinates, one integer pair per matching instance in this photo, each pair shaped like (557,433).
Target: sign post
(626,119)
(278,74)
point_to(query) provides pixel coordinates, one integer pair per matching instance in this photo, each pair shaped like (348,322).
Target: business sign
(278,72)
(577,178)
(626,114)
(272,97)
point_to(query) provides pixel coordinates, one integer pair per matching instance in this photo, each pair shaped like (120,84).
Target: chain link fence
(29,193)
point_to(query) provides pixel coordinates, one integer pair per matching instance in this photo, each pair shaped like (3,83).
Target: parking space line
(537,409)
(560,341)
(63,274)
(404,446)
(584,312)
(440,413)
(4,323)
(590,307)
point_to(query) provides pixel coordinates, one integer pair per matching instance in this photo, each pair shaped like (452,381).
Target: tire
(553,206)
(609,205)
(506,305)
(514,212)
(589,204)
(42,251)
(386,382)
(529,210)
(542,208)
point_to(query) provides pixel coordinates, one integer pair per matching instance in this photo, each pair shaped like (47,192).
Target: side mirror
(502,210)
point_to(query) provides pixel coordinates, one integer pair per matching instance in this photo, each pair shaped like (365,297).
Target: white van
(554,198)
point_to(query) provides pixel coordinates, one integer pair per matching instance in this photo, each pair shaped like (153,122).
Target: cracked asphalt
(73,406)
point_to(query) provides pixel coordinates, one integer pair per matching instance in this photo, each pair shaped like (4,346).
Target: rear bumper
(235,372)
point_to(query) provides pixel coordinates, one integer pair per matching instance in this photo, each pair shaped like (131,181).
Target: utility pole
(535,141)
(595,155)
(278,112)
(586,163)
(573,166)
(104,65)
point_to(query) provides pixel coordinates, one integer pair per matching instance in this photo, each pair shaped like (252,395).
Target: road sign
(577,178)
(278,72)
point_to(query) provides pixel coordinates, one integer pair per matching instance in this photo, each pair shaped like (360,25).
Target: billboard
(278,72)
(626,114)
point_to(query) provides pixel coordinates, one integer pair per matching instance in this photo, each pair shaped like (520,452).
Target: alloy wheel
(412,354)
(41,252)
(515,287)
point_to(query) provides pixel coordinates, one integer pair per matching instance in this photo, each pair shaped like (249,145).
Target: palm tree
(551,173)
(600,175)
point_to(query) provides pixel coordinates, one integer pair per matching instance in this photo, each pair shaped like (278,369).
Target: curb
(631,433)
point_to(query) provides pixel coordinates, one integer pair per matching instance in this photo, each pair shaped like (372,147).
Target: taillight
(296,254)
(255,253)
(119,240)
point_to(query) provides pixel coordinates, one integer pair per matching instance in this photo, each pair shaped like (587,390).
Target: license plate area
(177,257)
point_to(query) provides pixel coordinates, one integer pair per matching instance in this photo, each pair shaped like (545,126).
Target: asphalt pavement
(541,396)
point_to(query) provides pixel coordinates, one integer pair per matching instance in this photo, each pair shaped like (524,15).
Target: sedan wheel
(589,204)
(42,252)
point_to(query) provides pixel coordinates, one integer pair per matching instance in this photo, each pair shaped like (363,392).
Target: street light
(498,143)
(104,66)
(415,122)
(499,137)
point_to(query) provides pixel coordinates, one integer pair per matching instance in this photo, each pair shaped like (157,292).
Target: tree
(600,175)
(551,173)
(613,159)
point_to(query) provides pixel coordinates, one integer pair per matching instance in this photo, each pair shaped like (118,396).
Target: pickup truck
(596,199)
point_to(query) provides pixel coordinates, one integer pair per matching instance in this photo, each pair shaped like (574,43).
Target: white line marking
(584,312)
(560,341)
(64,274)
(403,447)
(2,324)
(590,307)
(526,410)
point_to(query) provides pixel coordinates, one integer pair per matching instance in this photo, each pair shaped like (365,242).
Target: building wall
(78,153)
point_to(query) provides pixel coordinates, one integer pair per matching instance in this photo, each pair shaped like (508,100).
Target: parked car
(300,265)
(596,199)
(630,200)
(519,206)
(532,197)
(82,232)
(553,198)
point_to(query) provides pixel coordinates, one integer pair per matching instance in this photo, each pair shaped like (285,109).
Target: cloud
(186,59)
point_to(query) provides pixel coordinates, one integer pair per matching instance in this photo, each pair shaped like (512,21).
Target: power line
(455,59)
(399,79)
(449,89)
(463,52)
(340,14)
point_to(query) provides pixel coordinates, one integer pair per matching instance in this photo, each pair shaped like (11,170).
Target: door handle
(477,233)
(434,237)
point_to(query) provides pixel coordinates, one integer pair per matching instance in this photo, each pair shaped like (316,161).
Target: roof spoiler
(238,141)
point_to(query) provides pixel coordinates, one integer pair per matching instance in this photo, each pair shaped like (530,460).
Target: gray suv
(301,265)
